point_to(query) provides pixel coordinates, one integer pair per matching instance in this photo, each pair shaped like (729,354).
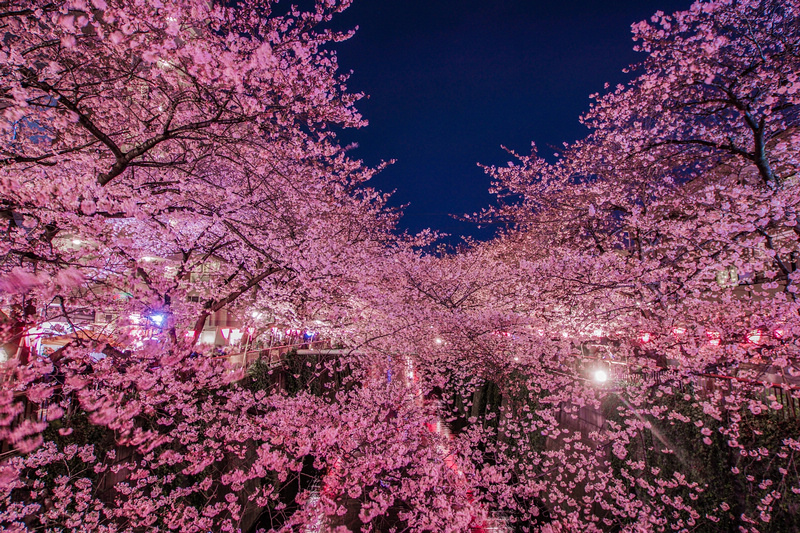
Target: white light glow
(756,336)
(600,376)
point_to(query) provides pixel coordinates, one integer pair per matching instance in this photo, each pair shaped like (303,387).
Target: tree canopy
(621,357)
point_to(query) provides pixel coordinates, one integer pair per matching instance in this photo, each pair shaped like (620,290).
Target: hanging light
(714,338)
(756,336)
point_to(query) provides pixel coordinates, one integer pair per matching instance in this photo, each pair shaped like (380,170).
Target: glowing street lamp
(600,376)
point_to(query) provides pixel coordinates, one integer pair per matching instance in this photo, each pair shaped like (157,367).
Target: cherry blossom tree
(157,139)
(719,82)
(622,357)
(143,143)
(663,244)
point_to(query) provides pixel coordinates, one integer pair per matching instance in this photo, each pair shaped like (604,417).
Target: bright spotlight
(600,376)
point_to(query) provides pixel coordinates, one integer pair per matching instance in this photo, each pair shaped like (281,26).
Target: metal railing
(272,355)
(705,383)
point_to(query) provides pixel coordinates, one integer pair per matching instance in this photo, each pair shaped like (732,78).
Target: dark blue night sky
(450,81)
